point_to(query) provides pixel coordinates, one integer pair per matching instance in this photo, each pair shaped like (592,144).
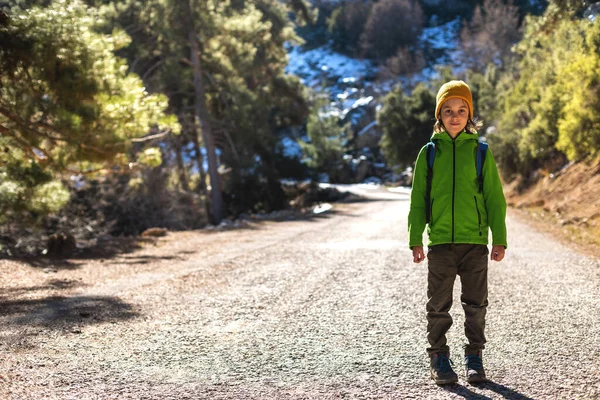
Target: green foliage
(49,198)
(247,60)
(151,157)
(27,190)
(64,93)
(579,125)
(569,7)
(324,151)
(552,106)
(490,92)
(407,123)
(346,25)
(67,102)
(486,95)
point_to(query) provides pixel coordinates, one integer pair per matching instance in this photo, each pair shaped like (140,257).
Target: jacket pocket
(478,215)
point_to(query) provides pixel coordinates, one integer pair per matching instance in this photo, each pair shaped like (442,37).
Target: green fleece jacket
(460,213)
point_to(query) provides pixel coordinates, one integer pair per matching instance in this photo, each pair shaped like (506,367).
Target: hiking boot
(474,368)
(441,369)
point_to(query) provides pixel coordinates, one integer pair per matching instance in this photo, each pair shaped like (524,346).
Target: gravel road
(330,307)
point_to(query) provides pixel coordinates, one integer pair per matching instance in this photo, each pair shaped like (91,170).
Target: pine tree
(324,151)
(67,104)
(407,123)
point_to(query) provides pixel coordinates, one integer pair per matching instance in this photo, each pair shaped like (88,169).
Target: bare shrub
(133,204)
(488,38)
(404,62)
(392,24)
(61,245)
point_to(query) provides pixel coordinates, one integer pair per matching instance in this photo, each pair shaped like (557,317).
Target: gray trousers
(470,262)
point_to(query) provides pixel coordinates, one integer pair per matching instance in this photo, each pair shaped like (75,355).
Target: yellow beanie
(453,89)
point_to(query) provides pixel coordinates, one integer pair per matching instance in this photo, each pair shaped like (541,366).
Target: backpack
(481,152)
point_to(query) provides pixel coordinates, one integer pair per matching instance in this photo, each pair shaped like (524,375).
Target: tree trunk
(183,180)
(276,196)
(201,188)
(202,122)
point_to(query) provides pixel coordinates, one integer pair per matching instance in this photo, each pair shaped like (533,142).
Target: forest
(117,116)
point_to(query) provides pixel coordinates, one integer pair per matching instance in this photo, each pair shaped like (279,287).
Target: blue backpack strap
(430,154)
(481,152)
(430,159)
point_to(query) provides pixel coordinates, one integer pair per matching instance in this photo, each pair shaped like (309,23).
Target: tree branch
(25,146)
(37,132)
(151,137)
(152,69)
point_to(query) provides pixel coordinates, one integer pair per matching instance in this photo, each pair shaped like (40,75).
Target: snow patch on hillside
(445,41)
(320,64)
(442,37)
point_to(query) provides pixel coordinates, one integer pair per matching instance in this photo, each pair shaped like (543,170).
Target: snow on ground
(400,189)
(313,66)
(444,39)
(343,79)
(341,109)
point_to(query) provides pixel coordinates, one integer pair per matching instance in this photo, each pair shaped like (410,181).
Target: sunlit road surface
(328,307)
(371,191)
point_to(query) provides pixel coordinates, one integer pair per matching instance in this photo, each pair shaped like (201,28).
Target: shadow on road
(57,312)
(53,284)
(504,391)
(465,392)
(106,249)
(497,388)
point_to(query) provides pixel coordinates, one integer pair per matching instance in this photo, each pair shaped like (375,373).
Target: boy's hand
(418,254)
(497,253)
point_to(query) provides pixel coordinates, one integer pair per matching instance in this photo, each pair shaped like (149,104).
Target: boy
(461,208)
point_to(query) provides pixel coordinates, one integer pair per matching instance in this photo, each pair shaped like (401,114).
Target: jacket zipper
(431,211)
(453,182)
(478,215)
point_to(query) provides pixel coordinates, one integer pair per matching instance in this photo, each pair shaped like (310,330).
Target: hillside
(565,204)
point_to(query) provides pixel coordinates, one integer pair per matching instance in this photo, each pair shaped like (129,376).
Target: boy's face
(454,114)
